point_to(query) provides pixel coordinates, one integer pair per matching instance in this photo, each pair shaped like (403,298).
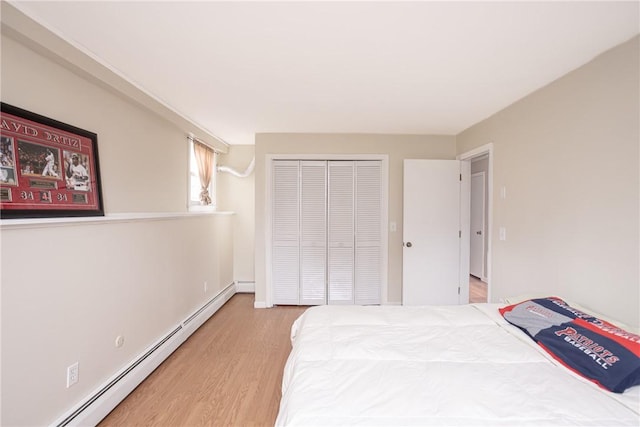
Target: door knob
(479,233)
(408,244)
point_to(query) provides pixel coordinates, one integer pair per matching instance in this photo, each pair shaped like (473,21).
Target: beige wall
(142,158)
(397,147)
(568,157)
(69,290)
(237,194)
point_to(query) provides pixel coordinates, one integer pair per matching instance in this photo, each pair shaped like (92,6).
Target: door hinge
(458,290)
(460,234)
(460,177)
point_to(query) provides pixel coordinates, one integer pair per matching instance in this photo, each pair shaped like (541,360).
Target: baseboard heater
(243,286)
(98,405)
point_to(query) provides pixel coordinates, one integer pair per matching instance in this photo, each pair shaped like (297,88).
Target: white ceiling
(240,68)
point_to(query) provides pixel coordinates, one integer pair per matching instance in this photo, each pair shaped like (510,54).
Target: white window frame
(193,200)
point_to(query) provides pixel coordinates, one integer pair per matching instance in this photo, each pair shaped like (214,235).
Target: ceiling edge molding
(25,30)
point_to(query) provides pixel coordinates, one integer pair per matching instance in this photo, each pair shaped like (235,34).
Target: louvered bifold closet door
(341,232)
(313,228)
(286,232)
(368,232)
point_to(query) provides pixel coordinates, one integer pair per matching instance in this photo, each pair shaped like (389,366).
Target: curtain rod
(192,137)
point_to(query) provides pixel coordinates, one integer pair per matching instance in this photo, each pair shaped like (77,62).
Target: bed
(441,365)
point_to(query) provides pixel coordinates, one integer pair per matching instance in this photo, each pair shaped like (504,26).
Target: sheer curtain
(204,159)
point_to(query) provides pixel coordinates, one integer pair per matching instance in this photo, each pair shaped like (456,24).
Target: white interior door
(476,259)
(431,224)
(341,231)
(286,232)
(368,232)
(313,232)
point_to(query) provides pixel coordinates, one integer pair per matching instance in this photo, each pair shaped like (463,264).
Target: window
(195,203)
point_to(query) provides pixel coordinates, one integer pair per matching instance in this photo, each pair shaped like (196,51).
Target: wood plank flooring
(228,373)
(477,290)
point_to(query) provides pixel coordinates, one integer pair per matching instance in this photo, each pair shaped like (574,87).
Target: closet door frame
(384,214)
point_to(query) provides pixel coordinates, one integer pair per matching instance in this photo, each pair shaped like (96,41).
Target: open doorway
(477,290)
(479,235)
(477,230)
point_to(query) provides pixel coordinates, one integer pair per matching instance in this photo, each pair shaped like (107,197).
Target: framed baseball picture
(47,168)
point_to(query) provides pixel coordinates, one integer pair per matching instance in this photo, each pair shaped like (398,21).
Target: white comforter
(445,366)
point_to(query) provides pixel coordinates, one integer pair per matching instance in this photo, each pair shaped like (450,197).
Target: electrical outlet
(73,373)
(119,341)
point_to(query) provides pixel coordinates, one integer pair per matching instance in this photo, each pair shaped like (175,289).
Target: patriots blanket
(593,348)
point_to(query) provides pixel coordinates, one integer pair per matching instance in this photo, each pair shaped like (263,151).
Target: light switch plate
(503,233)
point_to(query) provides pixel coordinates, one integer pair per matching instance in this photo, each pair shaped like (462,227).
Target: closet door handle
(408,244)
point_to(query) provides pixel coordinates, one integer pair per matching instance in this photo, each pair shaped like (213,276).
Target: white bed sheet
(446,366)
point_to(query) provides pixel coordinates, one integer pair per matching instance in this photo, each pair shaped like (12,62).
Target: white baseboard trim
(245,287)
(201,315)
(97,405)
(259,304)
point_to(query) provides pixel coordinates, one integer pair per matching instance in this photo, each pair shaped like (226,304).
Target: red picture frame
(47,168)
